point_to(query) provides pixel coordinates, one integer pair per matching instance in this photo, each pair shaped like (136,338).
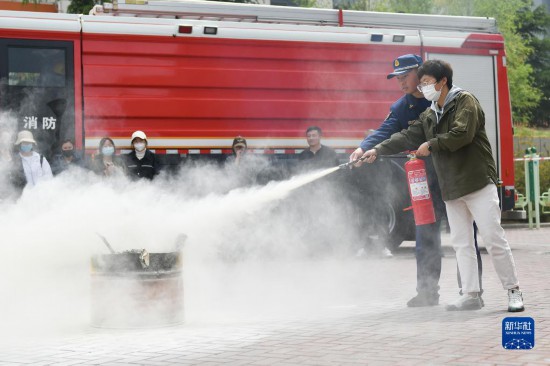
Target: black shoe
(421,300)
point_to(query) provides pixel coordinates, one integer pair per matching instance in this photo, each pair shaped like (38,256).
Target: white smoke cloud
(50,236)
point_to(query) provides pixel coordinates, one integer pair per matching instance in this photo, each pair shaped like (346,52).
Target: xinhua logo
(518,333)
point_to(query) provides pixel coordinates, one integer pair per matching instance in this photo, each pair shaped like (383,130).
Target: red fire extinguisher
(419,191)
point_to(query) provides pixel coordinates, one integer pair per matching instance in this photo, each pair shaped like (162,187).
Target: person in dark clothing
(313,201)
(141,162)
(239,149)
(68,157)
(240,166)
(317,156)
(403,112)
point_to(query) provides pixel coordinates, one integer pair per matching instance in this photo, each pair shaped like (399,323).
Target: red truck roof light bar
(185,29)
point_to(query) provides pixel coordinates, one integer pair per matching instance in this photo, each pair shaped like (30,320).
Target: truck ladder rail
(216,11)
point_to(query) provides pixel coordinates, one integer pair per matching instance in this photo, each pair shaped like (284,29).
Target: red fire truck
(194,74)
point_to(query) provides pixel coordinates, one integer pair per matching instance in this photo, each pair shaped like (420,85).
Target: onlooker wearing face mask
(106,163)
(30,167)
(68,157)
(141,162)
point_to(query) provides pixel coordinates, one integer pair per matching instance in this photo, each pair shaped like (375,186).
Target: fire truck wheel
(399,225)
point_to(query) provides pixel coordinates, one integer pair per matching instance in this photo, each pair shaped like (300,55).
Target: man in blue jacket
(428,237)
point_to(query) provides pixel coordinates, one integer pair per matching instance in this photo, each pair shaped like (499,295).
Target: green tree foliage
(533,26)
(305,3)
(525,96)
(524,93)
(404,6)
(544,176)
(81,6)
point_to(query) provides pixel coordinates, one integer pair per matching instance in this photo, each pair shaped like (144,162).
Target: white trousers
(481,206)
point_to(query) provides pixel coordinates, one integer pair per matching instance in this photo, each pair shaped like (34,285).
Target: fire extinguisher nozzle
(349,164)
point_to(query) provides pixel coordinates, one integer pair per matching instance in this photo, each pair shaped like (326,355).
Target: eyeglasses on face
(425,84)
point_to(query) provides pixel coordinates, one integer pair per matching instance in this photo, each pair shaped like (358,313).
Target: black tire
(385,195)
(400,225)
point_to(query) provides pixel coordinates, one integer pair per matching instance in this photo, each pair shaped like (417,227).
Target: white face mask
(108,150)
(139,146)
(430,93)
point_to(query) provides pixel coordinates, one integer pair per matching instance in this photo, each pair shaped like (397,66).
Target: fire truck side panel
(195,84)
(213,89)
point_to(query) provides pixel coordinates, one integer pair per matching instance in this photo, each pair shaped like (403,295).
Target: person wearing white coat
(34,166)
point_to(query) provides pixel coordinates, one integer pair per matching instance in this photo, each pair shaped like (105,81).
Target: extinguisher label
(419,185)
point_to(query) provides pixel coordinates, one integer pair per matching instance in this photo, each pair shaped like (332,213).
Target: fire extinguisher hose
(351,163)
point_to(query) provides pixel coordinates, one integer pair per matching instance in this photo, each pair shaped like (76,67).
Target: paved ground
(353,315)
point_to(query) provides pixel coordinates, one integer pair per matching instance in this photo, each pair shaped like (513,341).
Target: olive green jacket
(460,148)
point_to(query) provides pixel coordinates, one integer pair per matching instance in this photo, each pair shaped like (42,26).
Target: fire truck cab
(194,74)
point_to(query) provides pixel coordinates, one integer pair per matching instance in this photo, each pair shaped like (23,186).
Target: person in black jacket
(141,162)
(317,156)
(67,157)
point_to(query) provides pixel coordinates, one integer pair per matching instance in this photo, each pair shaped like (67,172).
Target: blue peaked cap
(404,64)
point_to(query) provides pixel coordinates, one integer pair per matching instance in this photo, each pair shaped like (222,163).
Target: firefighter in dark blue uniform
(428,237)
(404,111)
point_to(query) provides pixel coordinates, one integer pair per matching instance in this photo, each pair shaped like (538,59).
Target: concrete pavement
(355,316)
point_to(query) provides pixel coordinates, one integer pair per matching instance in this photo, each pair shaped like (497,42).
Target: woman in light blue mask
(30,166)
(106,163)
